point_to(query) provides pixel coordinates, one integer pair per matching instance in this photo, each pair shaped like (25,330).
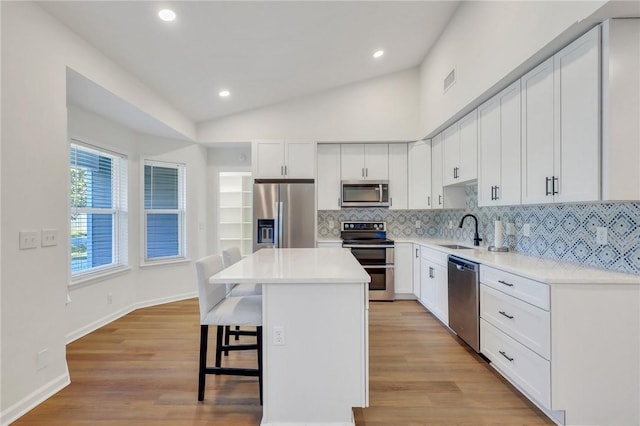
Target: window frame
(181,212)
(119,211)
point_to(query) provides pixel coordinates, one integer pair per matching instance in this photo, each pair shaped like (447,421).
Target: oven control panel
(364,226)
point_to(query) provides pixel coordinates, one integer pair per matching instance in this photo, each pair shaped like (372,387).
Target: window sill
(98,276)
(164,262)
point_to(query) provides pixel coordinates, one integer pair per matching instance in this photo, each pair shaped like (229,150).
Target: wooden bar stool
(217,309)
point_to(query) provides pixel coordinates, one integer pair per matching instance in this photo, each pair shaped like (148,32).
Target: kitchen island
(316,369)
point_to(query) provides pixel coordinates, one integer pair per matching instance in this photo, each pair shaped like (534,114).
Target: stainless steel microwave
(365,193)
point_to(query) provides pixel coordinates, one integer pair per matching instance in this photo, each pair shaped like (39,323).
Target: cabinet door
(300,159)
(403,268)
(398,176)
(450,154)
(376,161)
(328,177)
(577,126)
(416,270)
(352,161)
(537,134)
(441,305)
(427,284)
(489,151)
(437,201)
(468,163)
(420,175)
(267,158)
(509,189)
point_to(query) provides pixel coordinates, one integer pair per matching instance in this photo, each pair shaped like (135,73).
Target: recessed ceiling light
(378,53)
(167,15)
(224,93)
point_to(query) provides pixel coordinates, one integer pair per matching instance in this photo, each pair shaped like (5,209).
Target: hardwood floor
(142,369)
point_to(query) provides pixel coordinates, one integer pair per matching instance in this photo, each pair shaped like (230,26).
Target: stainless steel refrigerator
(284,214)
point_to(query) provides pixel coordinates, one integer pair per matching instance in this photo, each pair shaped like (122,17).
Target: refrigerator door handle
(280,222)
(276,225)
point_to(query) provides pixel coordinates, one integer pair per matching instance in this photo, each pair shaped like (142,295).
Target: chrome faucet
(476,237)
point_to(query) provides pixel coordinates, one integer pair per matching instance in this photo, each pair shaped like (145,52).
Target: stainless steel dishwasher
(464,300)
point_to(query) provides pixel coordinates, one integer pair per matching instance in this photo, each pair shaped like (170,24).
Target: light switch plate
(601,235)
(28,239)
(511,228)
(49,237)
(526,230)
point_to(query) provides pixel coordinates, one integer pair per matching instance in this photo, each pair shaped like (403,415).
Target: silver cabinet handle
(505,283)
(504,354)
(503,313)
(366,172)
(390,200)
(429,200)
(439,200)
(417,255)
(497,187)
(546,186)
(285,170)
(431,274)
(281,171)
(362,172)
(554,191)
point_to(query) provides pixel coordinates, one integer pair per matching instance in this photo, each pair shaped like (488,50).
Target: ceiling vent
(449,80)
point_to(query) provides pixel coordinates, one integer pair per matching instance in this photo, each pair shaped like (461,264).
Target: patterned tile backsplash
(559,231)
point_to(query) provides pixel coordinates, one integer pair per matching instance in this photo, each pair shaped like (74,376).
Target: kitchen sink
(455,246)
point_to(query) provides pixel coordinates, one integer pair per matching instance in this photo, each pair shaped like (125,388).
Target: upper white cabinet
(398,176)
(276,159)
(365,161)
(499,149)
(328,183)
(452,197)
(561,125)
(460,151)
(420,175)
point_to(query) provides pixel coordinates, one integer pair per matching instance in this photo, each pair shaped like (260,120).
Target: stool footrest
(252,347)
(232,371)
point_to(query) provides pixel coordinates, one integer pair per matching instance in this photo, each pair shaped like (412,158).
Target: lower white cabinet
(403,270)
(434,290)
(571,347)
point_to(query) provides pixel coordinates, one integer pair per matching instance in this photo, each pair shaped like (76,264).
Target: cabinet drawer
(526,369)
(530,291)
(526,323)
(437,257)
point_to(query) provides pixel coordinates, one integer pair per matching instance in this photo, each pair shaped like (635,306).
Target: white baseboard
(35,398)
(83,331)
(405,296)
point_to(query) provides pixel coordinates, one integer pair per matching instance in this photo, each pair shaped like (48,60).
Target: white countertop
(540,269)
(303,265)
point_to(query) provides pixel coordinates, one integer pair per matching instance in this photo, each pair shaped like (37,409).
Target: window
(98,210)
(164,211)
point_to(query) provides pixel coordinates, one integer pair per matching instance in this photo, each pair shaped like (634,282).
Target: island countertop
(295,265)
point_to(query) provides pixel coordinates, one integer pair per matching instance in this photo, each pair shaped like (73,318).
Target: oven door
(377,260)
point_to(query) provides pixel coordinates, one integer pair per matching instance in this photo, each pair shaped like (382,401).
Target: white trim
(165,261)
(89,328)
(99,275)
(34,399)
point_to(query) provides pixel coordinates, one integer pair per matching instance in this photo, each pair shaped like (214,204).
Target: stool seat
(243,310)
(245,289)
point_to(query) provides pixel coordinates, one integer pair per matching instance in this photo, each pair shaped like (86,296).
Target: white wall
(36,50)
(380,109)
(486,42)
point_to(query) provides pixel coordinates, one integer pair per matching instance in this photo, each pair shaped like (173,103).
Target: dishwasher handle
(463,264)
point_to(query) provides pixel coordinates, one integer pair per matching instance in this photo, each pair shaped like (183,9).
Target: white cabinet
(452,197)
(328,183)
(403,270)
(276,159)
(416,271)
(499,149)
(364,161)
(398,176)
(420,175)
(460,151)
(561,125)
(434,293)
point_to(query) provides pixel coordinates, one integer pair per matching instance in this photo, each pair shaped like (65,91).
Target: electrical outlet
(418,224)
(42,359)
(28,239)
(49,237)
(450,224)
(278,336)
(511,228)
(601,235)
(331,223)
(526,230)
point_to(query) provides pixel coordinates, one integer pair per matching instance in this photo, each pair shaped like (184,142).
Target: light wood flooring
(142,369)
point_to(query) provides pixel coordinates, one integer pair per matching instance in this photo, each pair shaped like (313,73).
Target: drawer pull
(506,356)
(505,283)
(503,313)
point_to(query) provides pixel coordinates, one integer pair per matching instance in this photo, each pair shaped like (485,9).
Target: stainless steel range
(369,244)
